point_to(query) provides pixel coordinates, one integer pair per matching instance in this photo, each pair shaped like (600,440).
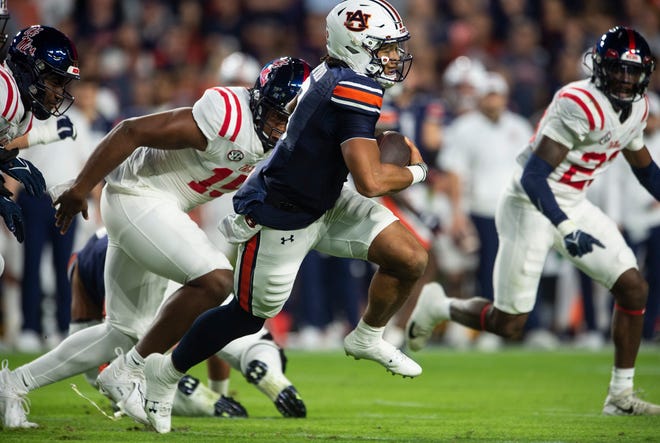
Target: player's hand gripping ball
(393,148)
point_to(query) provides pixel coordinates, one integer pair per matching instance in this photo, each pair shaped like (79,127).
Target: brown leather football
(393,148)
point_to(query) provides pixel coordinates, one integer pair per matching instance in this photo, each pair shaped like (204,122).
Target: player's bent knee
(630,290)
(218,283)
(418,262)
(407,260)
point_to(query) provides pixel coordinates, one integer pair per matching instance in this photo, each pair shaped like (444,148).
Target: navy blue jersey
(304,176)
(91,261)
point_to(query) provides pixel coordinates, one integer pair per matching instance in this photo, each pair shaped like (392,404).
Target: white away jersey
(195,177)
(581,118)
(14,120)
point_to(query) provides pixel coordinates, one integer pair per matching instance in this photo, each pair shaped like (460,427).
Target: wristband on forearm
(418,171)
(566,227)
(43,133)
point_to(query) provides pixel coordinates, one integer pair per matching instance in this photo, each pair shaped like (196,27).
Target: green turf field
(513,395)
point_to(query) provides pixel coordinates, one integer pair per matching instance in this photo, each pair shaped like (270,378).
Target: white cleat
(384,353)
(424,318)
(159,395)
(124,386)
(627,403)
(13,404)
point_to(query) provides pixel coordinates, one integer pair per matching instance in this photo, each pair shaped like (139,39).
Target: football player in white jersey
(585,127)
(256,356)
(158,167)
(40,62)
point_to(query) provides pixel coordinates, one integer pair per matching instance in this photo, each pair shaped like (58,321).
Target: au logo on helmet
(357,21)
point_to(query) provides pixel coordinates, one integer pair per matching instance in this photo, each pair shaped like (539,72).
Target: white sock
(219,386)
(621,380)
(134,360)
(365,333)
(442,305)
(167,372)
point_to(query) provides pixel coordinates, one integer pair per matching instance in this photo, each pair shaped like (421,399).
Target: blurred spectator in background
(526,63)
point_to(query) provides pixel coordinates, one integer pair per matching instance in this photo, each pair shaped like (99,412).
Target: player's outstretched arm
(175,129)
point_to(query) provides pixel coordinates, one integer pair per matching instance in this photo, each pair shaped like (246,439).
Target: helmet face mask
(50,96)
(272,123)
(370,37)
(43,62)
(278,83)
(622,66)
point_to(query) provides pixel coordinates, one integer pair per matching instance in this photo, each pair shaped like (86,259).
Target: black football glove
(13,216)
(7,154)
(65,128)
(26,173)
(579,243)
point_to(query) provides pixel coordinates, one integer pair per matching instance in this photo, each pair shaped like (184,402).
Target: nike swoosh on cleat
(410,330)
(628,410)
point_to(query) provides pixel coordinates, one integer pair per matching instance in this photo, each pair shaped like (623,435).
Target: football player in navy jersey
(586,126)
(297,200)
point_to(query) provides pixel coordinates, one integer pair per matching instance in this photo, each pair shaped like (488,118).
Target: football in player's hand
(393,148)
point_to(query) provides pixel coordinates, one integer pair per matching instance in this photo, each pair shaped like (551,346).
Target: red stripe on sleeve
(224,129)
(239,116)
(29,125)
(578,100)
(597,105)
(10,96)
(646,109)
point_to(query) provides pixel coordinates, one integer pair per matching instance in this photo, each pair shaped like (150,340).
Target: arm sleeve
(649,177)
(534,181)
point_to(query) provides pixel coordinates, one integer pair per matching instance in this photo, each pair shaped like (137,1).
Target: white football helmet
(239,69)
(356,30)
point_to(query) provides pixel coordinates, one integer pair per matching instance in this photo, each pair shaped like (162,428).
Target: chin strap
(625,113)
